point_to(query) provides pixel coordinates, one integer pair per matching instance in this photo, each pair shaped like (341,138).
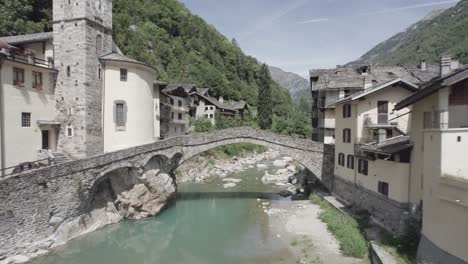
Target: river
(207,224)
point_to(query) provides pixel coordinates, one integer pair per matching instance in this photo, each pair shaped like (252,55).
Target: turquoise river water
(207,224)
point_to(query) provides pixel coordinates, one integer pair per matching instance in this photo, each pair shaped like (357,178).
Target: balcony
(380,121)
(454,118)
(24,57)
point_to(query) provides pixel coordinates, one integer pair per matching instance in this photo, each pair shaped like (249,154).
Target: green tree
(265,106)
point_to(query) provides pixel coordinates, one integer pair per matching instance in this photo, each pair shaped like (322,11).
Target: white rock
(279,163)
(287,159)
(262,166)
(229,185)
(291,168)
(281,171)
(232,180)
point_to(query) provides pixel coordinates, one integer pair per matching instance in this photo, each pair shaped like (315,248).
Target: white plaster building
(372,149)
(71,93)
(439,164)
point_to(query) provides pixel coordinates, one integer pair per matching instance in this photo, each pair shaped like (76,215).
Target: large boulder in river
(285,193)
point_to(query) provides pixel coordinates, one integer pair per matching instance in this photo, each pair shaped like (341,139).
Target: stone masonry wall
(34,204)
(392,215)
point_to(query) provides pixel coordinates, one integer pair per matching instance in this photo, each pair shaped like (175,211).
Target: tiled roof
(433,86)
(351,78)
(113,56)
(389,146)
(37,37)
(376,88)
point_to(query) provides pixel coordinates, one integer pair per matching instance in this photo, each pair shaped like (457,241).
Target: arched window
(350,162)
(98,44)
(341,158)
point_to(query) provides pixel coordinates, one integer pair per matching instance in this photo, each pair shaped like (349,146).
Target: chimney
(423,65)
(445,65)
(367,81)
(221,100)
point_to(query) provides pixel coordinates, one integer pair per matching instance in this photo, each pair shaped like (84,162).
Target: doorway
(45,139)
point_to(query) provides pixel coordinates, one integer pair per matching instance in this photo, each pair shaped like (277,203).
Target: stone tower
(82,32)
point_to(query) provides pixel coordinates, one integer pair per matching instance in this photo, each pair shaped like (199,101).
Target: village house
(439,167)
(330,85)
(71,93)
(372,150)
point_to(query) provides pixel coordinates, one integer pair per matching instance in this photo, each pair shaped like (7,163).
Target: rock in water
(279,163)
(285,193)
(229,185)
(299,197)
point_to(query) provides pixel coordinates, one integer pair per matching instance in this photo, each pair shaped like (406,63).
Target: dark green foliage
(296,123)
(265,102)
(201,125)
(236,150)
(440,33)
(24,16)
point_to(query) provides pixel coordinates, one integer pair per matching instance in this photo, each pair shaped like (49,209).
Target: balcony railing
(446,119)
(25,58)
(379,120)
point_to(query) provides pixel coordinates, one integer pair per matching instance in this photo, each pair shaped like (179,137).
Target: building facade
(81,96)
(439,165)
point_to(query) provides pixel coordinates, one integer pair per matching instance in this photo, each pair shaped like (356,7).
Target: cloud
(315,20)
(402,8)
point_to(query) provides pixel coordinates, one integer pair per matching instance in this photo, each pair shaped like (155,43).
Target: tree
(265,106)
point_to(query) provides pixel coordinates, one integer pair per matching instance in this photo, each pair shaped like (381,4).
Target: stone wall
(37,206)
(392,215)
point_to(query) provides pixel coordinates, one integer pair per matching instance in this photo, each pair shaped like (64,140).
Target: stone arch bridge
(33,204)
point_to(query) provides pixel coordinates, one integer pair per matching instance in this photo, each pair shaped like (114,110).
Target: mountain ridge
(297,85)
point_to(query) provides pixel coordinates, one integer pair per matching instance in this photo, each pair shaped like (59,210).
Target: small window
(211,108)
(346,111)
(206,115)
(123,75)
(120,114)
(206,108)
(68,71)
(363,166)
(211,116)
(26,119)
(18,76)
(383,188)
(37,80)
(346,135)
(172,101)
(341,158)
(99,73)
(179,103)
(69,131)
(180,116)
(98,44)
(350,162)
(172,115)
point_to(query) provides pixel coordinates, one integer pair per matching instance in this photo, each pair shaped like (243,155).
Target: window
(172,115)
(363,166)
(18,76)
(206,108)
(179,103)
(120,114)
(180,116)
(69,131)
(341,158)
(98,44)
(206,115)
(383,188)
(123,75)
(99,73)
(350,162)
(346,110)
(26,119)
(172,101)
(37,80)
(68,71)
(211,116)
(346,135)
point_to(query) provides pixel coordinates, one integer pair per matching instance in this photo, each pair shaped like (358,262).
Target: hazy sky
(298,35)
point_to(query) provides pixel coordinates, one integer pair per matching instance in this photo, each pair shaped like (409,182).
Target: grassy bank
(345,229)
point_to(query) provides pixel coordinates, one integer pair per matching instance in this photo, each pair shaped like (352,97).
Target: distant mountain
(297,86)
(441,32)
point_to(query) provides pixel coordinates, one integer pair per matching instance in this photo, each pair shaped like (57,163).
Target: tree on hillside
(265,106)
(19,17)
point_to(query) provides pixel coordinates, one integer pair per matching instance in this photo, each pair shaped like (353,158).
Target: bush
(201,125)
(236,150)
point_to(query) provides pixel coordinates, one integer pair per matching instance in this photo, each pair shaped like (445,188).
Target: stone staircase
(60,158)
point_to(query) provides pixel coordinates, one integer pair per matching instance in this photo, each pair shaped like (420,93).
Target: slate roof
(389,146)
(351,78)
(29,38)
(113,56)
(405,84)
(203,91)
(433,86)
(188,88)
(230,106)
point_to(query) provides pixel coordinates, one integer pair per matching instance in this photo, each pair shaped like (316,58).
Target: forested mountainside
(441,32)
(166,35)
(298,87)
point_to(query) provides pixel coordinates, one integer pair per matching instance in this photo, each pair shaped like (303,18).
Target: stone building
(102,100)
(439,167)
(330,85)
(372,152)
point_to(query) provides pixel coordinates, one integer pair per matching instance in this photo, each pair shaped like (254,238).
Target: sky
(299,35)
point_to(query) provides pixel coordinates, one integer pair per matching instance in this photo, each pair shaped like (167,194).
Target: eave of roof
(113,56)
(433,86)
(374,89)
(29,38)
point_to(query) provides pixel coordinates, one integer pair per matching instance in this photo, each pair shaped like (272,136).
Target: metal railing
(446,119)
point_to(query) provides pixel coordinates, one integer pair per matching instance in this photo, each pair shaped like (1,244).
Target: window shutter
(125,113)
